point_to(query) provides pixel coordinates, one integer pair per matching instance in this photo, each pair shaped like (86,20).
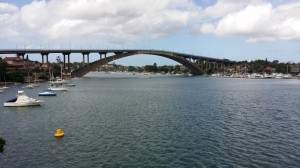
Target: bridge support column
(87,57)
(221,66)
(206,65)
(20,55)
(102,54)
(68,60)
(64,67)
(43,57)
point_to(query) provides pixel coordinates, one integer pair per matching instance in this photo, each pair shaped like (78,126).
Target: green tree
(131,69)
(149,68)
(58,59)
(164,69)
(3,69)
(177,68)
(154,67)
(16,76)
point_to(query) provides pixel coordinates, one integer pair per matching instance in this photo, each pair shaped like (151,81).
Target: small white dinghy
(22,100)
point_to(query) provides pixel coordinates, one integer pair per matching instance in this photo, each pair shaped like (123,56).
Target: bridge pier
(20,55)
(68,61)
(43,56)
(87,54)
(64,65)
(102,53)
(205,65)
(68,58)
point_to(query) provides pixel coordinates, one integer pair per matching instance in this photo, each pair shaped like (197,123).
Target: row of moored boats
(258,76)
(22,100)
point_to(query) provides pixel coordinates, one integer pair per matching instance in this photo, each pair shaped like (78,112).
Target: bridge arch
(118,55)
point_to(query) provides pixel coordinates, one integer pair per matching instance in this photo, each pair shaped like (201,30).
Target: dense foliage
(3,69)
(257,66)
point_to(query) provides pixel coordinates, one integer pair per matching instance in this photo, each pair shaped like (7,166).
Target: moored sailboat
(56,86)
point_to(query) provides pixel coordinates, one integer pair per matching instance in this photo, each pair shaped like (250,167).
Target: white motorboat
(29,86)
(47,93)
(2,88)
(58,88)
(60,81)
(32,85)
(58,84)
(54,87)
(287,76)
(267,76)
(279,76)
(22,100)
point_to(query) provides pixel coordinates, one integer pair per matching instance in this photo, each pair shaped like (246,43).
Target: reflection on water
(59,142)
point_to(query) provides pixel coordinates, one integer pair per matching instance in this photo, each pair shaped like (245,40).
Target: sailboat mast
(60,71)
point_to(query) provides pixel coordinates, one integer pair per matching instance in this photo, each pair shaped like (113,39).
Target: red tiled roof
(11,58)
(268,69)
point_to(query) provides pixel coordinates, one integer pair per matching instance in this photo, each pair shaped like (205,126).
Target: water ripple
(161,122)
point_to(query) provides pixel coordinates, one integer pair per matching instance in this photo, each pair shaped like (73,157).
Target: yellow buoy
(59,133)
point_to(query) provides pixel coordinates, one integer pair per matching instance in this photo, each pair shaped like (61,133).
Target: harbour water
(156,122)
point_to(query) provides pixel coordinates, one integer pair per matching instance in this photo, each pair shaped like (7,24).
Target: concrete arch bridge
(198,65)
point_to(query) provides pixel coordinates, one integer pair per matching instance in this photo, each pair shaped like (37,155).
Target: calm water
(157,122)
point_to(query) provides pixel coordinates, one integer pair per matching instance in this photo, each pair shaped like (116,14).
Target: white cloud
(114,21)
(8,20)
(224,7)
(259,21)
(120,21)
(7,8)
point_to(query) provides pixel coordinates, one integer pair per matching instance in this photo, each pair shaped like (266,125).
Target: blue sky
(232,29)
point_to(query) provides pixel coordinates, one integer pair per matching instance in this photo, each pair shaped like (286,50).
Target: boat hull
(47,94)
(58,89)
(22,100)
(20,104)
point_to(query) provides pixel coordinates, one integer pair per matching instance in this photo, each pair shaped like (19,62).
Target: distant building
(15,63)
(269,70)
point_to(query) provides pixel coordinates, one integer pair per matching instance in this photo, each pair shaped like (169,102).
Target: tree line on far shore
(257,66)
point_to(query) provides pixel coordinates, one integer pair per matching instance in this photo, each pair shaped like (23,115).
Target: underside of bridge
(196,70)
